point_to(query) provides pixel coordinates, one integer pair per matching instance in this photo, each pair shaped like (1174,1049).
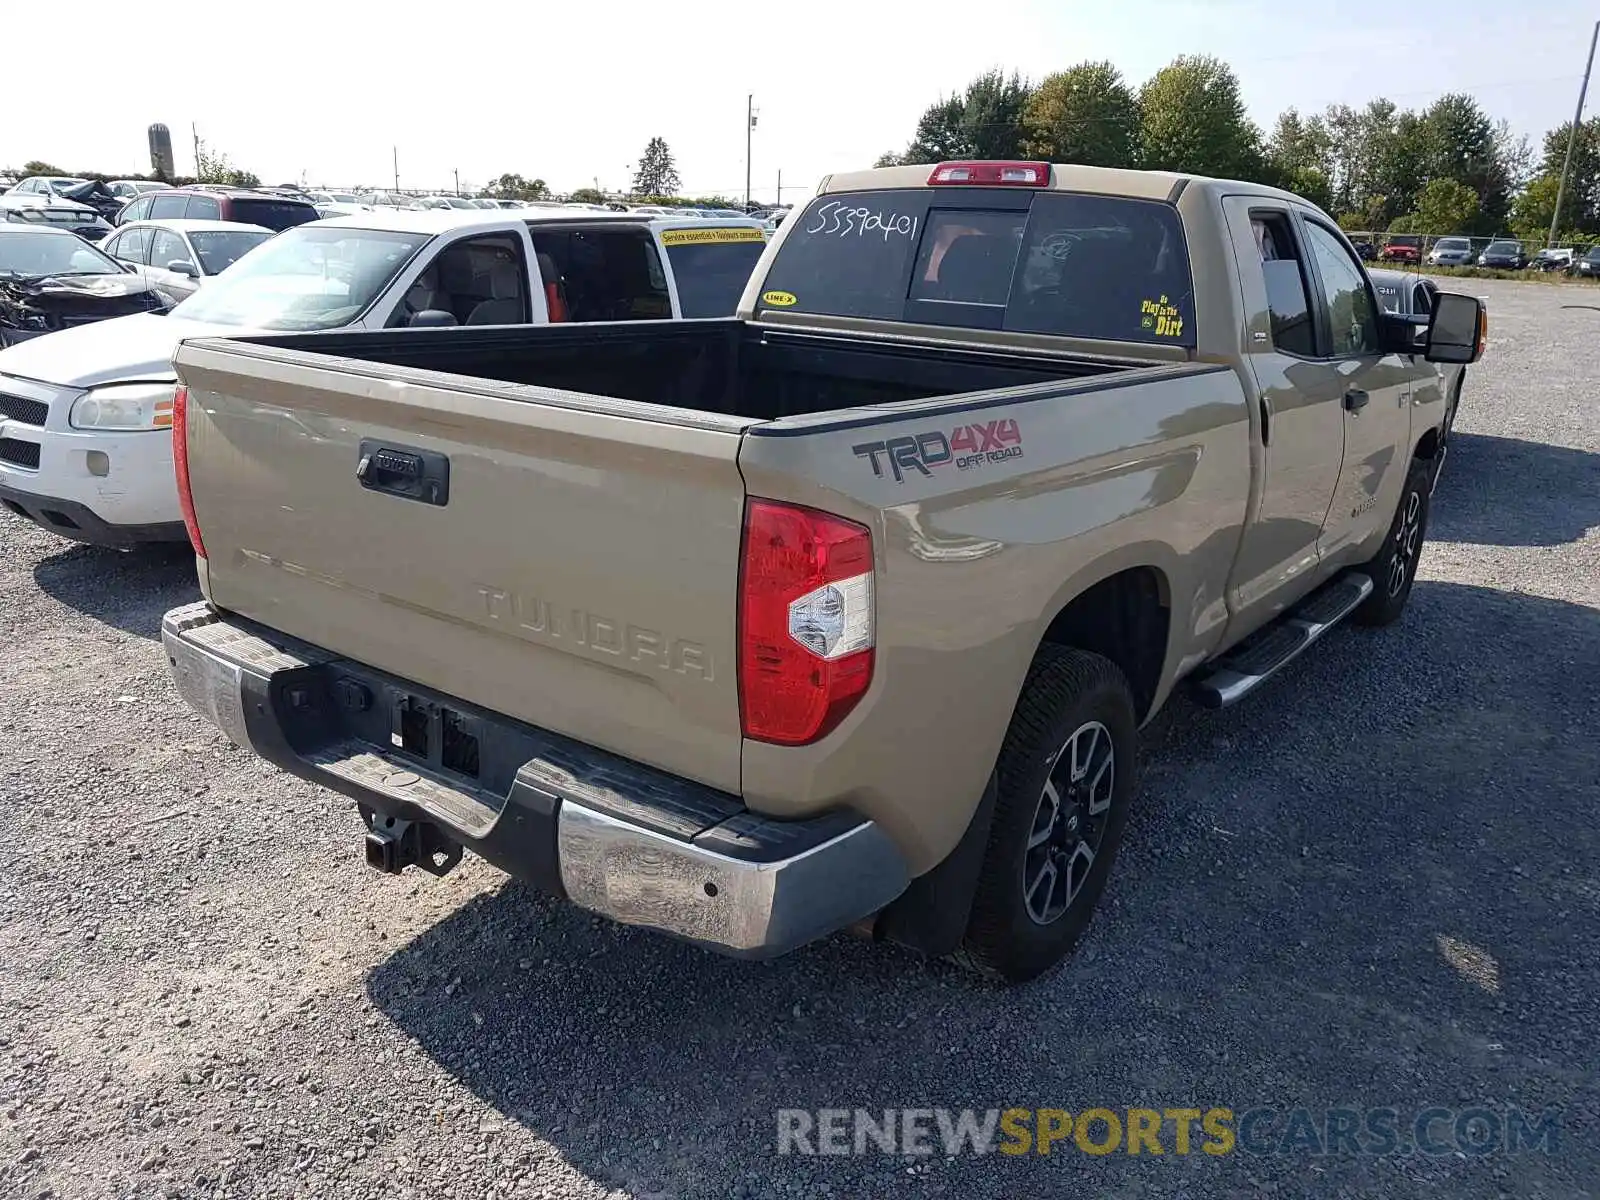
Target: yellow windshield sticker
(699,237)
(780,299)
(1161,318)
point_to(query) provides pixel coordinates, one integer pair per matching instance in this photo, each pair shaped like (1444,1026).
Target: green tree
(656,176)
(887,159)
(1193,119)
(1457,140)
(515,187)
(1085,114)
(1446,206)
(213,166)
(1313,185)
(1535,205)
(588,196)
(1298,145)
(941,134)
(1580,204)
(985,121)
(40,168)
(992,112)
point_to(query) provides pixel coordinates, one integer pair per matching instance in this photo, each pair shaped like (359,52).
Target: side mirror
(1404,334)
(182,266)
(1458,331)
(431,318)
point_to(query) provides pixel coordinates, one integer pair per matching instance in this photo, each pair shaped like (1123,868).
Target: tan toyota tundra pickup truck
(840,613)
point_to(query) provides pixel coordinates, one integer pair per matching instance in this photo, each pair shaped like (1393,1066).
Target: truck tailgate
(578,568)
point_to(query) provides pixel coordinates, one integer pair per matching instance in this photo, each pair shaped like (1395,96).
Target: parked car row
(107,389)
(1458,251)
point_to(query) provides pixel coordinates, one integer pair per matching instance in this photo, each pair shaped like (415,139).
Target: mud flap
(931,914)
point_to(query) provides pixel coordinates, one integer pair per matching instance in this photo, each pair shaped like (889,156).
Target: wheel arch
(1123,612)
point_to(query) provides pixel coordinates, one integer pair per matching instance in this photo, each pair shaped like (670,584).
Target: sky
(571,92)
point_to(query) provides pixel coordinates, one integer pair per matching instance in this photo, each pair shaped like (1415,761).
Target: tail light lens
(806,631)
(180,465)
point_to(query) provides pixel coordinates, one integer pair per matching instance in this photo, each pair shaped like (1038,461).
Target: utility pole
(457,172)
(195,129)
(396,168)
(749,130)
(780,187)
(1572,135)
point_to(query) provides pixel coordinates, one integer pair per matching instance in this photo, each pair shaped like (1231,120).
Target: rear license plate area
(436,734)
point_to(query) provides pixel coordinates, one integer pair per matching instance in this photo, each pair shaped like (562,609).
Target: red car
(1402,247)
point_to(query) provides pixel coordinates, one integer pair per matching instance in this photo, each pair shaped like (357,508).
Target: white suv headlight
(127,406)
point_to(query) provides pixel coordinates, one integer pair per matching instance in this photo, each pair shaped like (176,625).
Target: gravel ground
(1374,886)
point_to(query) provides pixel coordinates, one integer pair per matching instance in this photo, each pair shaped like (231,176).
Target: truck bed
(578,567)
(728,367)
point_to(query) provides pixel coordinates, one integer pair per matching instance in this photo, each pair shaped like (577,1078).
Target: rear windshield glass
(1452,244)
(274,214)
(711,267)
(1099,267)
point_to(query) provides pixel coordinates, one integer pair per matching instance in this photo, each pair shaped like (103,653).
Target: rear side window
(166,206)
(136,210)
(608,274)
(133,246)
(711,267)
(204,208)
(1294,329)
(276,215)
(1098,267)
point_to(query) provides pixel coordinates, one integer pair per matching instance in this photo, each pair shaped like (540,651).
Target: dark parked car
(98,196)
(1366,250)
(1505,254)
(247,207)
(1401,247)
(1554,258)
(1588,267)
(54,214)
(51,279)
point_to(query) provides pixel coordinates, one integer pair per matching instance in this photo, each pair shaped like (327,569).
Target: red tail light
(983,173)
(180,465)
(806,631)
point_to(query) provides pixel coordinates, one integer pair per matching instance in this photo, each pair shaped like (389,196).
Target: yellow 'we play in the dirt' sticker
(1160,317)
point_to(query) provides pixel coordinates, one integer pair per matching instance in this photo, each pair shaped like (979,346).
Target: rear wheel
(1394,568)
(1065,779)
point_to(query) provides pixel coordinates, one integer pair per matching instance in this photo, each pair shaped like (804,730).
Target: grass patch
(1487,273)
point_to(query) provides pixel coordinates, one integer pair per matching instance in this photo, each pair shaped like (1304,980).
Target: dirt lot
(1374,886)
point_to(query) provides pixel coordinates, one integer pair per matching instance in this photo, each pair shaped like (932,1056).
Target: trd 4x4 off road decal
(966,446)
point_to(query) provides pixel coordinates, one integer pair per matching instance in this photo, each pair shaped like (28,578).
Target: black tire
(1071,702)
(1394,568)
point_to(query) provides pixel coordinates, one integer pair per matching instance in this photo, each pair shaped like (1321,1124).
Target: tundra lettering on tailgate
(967,446)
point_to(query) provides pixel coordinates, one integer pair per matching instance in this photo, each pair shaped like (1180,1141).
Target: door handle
(1355,399)
(1266,420)
(405,472)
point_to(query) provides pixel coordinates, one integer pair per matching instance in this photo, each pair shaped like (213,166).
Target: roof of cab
(1064,177)
(449,220)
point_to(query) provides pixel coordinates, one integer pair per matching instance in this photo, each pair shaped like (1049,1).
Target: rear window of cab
(1106,268)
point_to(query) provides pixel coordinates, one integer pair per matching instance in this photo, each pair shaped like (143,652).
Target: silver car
(178,256)
(1451,252)
(1413,295)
